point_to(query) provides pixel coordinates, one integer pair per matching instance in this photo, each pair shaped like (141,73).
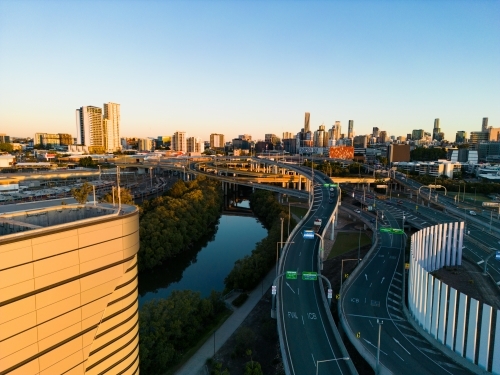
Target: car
(400,202)
(472,213)
(372,220)
(357,211)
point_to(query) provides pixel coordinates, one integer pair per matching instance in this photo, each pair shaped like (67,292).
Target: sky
(250,67)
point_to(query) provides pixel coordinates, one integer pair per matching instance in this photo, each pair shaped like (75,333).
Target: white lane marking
(300,253)
(381,351)
(303,323)
(366,276)
(290,288)
(398,356)
(383,278)
(368,317)
(372,283)
(298,291)
(481,261)
(371,323)
(401,346)
(313,360)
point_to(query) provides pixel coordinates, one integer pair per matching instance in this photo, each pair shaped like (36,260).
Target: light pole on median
(342,271)
(379,322)
(330,360)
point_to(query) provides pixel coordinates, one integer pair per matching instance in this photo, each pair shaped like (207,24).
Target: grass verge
(298,211)
(347,241)
(210,331)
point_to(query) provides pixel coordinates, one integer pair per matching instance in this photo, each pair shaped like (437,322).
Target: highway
(376,293)
(307,334)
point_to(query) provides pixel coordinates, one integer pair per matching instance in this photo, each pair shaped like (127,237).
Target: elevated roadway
(374,293)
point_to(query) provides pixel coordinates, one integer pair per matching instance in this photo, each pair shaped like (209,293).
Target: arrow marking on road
(290,288)
(383,278)
(401,346)
(369,343)
(398,356)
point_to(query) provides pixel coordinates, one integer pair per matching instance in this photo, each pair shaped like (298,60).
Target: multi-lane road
(309,341)
(375,295)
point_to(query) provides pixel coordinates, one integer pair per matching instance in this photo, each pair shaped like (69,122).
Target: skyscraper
(307,122)
(436,131)
(216,140)
(461,136)
(336,130)
(111,127)
(375,132)
(350,129)
(484,127)
(89,130)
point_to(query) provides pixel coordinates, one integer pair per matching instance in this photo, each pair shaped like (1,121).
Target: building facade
(350,129)
(68,282)
(111,127)
(307,122)
(89,130)
(195,144)
(179,141)
(216,140)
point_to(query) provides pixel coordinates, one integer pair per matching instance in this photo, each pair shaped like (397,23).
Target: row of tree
(172,222)
(456,185)
(249,271)
(336,169)
(170,327)
(427,153)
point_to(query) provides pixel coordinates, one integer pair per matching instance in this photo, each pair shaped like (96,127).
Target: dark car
(400,202)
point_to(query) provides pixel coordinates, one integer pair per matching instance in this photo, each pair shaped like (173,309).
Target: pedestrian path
(195,365)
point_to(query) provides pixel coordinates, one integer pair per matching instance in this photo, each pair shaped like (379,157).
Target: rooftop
(47,214)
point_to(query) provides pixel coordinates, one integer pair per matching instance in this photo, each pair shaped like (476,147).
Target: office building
(307,123)
(397,153)
(484,125)
(382,137)
(195,144)
(478,137)
(51,140)
(375,132)
(272,138)
(494,134)
(216,140)
(436,131)
(461,136)
(4,138)
(350,129)
(89,131)
(179,141)
(360,141)
(417,134)
(68,281)
(111,127)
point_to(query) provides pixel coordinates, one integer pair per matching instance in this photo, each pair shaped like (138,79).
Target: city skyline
(251,67)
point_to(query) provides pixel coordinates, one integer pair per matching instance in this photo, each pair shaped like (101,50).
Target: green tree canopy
(6,147)
(125,196)
(81,194)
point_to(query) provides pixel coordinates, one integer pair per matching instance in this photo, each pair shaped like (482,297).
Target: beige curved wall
(68,298)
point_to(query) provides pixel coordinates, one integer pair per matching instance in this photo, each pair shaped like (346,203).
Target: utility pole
(379,322)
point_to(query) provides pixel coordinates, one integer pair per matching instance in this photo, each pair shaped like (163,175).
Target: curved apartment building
(68,289)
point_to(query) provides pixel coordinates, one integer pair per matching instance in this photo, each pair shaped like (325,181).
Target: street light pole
(359,244)
(379,322)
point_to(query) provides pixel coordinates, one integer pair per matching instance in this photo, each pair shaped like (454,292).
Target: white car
(357,211)
(472,213)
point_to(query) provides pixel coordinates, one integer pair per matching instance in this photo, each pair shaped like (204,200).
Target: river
(204,267)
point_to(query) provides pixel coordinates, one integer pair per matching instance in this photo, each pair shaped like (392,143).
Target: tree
(87,162)
(81,194)
(126,196)
(7,147)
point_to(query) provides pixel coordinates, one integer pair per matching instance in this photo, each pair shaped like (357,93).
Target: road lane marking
(368,317)
(381,351)
(313,360)
(398,356)
(290,288)
(481,261)
(298,291)
(371,323)
(383,278)
(372,283)
(303,323)
(366,276)
(401,346)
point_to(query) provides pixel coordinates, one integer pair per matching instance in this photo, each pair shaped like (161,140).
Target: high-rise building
(398,153)
(111,127)
(89,131)
(484,127)
(436,130)
(350,129)
(144,144)
(382,137)
(4,138)
(68,301)
(288,135)
(461,136)
(178,142)
(245,137)
(494,134)
(360,141)
(307,124)
(375,132)
(271,138)
(195,144)
(478,137)
(336,130)
(59,139)
(216,140)
(417,134)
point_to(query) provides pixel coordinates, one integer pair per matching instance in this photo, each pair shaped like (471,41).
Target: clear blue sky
(254,67)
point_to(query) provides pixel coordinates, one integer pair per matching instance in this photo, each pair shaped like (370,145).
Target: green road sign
(291,275)
(333,185)
(310,276)
(391,230)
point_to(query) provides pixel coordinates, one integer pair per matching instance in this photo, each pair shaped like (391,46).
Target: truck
(317,225)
